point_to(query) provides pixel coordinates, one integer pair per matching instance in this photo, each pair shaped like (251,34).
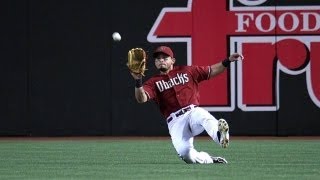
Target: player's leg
(182,140)
(190,155)
(218,130)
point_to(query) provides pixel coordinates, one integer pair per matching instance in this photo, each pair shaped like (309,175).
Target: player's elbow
(216,71)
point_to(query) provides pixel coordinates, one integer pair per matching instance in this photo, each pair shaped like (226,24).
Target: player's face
(164,62)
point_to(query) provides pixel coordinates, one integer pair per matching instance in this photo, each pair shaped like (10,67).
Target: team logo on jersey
(181,78)
(274,36)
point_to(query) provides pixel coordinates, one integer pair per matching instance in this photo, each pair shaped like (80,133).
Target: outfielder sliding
(175,91)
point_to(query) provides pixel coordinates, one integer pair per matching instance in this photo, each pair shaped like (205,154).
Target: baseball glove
(137,59)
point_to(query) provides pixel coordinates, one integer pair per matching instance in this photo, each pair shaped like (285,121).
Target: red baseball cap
(163,49)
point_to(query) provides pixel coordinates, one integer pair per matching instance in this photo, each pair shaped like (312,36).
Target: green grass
(146,159)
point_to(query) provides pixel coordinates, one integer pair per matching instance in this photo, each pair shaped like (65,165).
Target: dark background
(62,75)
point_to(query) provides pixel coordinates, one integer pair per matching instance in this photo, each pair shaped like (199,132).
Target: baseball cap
(163,49)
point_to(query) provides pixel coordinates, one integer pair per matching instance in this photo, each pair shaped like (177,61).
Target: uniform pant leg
(181,136)
(201,119)
(182,140)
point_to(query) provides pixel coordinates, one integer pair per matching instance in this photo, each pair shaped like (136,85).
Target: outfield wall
(62,75)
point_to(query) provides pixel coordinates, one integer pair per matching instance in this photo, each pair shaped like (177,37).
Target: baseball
(116,36)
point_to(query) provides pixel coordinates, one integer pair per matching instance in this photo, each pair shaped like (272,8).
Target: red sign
(272,38)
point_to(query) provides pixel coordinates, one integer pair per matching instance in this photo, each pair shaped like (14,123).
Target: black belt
(181,112)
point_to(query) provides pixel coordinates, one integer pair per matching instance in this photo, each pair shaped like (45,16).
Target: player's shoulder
(177,68)
(188,68)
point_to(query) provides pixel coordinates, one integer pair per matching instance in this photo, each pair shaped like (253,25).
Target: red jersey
(177,89)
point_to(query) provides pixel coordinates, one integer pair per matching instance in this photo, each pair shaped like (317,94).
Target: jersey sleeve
(149,88)
(200,73)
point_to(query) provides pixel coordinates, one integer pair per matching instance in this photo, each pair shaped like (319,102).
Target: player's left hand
(136,75)
(235,57)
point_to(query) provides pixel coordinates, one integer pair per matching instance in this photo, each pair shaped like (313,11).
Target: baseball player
(175,91)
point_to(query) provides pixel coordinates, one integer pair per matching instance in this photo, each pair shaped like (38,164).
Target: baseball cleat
(223,128)
(219,160)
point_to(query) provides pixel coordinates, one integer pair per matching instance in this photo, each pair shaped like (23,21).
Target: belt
(181,112)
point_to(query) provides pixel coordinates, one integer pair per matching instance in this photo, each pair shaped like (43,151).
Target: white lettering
(306,21)
(165,84)
(259,21)
(267,22)
(159,85)
(176,80)
(186,79)
(242,20)
(179,79)
(295,22)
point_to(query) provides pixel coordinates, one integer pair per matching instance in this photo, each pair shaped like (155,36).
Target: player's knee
(189,156)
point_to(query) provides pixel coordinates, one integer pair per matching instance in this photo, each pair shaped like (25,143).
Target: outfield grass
(156,159)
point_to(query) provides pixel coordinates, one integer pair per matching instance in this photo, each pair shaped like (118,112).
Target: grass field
(147,158)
